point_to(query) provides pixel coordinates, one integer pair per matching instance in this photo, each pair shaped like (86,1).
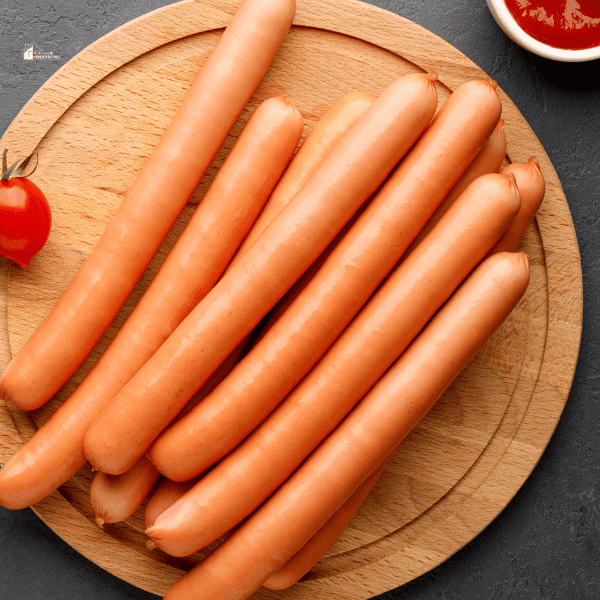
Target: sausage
(195,263)
(150,207)
(318,545)
(318,143)
(343,284)
(116,497)
(368,346)
(530,182)
(489,160)
(145,406)
(283,524)
(163,496)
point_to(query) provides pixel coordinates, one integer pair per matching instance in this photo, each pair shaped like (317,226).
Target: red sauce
(567,24)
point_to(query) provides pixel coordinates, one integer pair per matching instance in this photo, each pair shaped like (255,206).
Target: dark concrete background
(546,543)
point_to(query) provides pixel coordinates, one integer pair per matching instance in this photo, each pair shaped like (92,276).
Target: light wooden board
(95,122)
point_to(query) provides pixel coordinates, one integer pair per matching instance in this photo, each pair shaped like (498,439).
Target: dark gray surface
(546,543)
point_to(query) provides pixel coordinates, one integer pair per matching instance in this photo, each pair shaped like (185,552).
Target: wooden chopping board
(95,122)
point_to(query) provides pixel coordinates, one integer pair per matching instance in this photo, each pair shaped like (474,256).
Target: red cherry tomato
(25,220)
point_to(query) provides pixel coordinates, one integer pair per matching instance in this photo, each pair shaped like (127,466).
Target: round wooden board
(95,122)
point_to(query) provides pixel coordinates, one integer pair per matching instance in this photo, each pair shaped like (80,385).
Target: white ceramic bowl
(510,26)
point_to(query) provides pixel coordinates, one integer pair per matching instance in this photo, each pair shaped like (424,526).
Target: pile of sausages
(309,315)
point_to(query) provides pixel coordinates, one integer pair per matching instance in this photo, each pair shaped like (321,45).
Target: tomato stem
(18,167)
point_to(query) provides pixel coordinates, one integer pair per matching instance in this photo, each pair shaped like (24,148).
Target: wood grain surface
(95,122)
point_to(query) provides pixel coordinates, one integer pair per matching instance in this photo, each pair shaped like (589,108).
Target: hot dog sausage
(530,182)
(116,497)
(196,261)
(159,193)
(342,285)
(133,484)
(318,545)
(293,240)
(283,524)
(163,496)
(489,160)
(368,346)
(318,143)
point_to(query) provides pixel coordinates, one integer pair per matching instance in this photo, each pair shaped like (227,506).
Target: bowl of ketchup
(565,30)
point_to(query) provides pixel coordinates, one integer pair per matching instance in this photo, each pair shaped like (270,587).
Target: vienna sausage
(336,293)
(116,497)
(283,524)
(489,160)
(352,171)
(195,263)
(150,207)
(368,346)
(318,545)
(318,143)
(163,496)
(530,182)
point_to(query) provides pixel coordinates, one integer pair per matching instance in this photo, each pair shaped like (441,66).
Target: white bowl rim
(510,26)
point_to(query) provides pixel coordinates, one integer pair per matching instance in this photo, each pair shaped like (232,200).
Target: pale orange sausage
(192,267)
(375,338)
(291,516)
(352,171)
(163,496)
(489,160)
(116,497)
(336,293)
(532,187)
(318,143)
(159,193)
(318,545)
